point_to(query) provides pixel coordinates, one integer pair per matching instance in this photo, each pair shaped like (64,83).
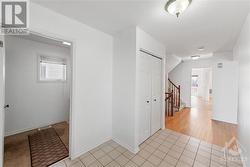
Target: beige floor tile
(154,160)
(147,164)
(177,148)
(198,164)
(121,149)
(77,164)
(174,154)
(128,154)
(95,164)
(121,160)
(219,160)
(113,164)
(159,140)
(191,148)
(215,164)
(187,160)
(204,153)
(149,149)
(84,155)
(182,164)
(107,148)
(105,160)
(138,160)
(202,159)
(189,154)
(154,144)
(69,162)
(113,144)
(114,154)
(130,164)
(167,144)
(144,154)
(165,164)
(164,149)
(98,154)
(59,164)
(170,160)
(159,154)
(88,160)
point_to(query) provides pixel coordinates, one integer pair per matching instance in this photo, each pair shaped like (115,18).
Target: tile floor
(166,148)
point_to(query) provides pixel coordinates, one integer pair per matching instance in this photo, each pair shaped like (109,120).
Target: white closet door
(144,96)
(156,112)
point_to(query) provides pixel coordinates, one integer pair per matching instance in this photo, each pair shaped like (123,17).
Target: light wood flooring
(16,147)
(196,121)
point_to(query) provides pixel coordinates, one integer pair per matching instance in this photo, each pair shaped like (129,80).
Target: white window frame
(51,58)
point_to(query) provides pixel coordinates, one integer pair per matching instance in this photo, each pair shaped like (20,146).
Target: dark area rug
(46,148)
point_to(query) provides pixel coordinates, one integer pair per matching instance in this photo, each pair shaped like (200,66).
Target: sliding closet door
(156,71)
(144,96)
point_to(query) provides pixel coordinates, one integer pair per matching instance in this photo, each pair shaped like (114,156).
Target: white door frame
(163,92)
(163,65)
(72,78)
(2,99)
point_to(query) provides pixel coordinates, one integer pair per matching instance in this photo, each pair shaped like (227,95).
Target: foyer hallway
(196,121)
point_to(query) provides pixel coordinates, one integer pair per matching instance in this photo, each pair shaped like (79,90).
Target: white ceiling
(214,24)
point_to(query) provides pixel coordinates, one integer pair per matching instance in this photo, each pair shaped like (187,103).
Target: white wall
(124,88)
(91,117)
(127,44)
(225,92)
(2,92)
(171,62)
(242,55)
(181,75)
(44,103)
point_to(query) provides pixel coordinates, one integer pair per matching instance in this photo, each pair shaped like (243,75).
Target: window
(52,69)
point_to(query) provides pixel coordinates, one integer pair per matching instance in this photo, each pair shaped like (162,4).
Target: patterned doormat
(46,148)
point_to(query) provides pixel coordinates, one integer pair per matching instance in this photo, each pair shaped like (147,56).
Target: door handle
(6,106)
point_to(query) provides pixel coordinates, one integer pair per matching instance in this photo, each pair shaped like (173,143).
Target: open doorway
(201,87)
(37,97)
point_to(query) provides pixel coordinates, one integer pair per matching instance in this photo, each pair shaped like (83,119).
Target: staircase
(173,98)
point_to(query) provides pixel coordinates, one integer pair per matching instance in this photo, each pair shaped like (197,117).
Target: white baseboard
(74,156)
(133,150)
(28,129)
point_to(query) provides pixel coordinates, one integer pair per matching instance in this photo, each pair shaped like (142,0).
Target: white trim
(30,128)
(133,150)
(53,36)
(74,156)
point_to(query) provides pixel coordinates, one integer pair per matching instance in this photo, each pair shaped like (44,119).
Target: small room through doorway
(201,87)
(38,100)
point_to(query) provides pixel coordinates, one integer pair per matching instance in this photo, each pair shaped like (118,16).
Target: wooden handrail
(173,84)
(170,103)
(173,97)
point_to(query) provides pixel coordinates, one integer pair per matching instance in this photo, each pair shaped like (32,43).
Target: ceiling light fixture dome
(176,7)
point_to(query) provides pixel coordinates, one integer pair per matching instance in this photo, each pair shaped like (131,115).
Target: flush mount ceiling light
(195,57)
(176,7)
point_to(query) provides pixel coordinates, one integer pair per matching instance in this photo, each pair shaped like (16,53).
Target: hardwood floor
(196,122)
(16,147)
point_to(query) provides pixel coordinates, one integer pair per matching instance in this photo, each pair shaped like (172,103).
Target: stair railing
(176,93)
(169,103)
